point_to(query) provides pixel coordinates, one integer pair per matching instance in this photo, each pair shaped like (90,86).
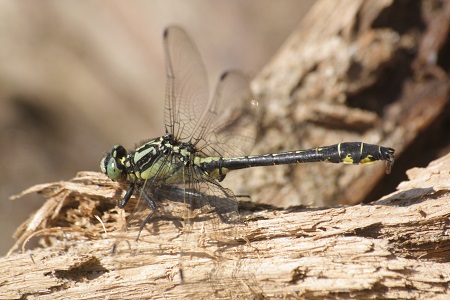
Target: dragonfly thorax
(146,161)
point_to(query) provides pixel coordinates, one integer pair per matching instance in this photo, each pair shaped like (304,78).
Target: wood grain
(397,247)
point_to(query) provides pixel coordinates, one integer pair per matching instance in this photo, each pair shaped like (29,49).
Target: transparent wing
(203,192)
(229,125)
(222,126)
(195,195)
(187,89)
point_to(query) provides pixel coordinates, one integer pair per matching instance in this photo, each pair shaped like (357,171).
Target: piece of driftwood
(395,248)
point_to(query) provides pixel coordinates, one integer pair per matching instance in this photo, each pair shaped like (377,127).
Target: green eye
(112,164)
(112,169)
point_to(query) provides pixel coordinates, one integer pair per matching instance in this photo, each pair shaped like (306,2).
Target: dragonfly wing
(187,88)
(200,195)
(229,126)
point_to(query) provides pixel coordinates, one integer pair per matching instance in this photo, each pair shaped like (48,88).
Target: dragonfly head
(113,163)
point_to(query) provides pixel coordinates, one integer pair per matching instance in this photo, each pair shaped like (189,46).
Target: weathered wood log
(397,247)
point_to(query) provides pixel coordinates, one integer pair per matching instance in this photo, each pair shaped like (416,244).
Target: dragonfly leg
(127,197)
(152,205)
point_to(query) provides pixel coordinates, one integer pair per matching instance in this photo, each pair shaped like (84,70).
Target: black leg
(152,205)
(127,196)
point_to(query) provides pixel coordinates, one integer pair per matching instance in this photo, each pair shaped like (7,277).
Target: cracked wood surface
(397,247)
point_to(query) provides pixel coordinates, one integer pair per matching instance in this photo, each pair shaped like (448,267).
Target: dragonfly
(207,137)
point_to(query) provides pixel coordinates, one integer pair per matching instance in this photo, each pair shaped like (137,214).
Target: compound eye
(112,164)
(112,169)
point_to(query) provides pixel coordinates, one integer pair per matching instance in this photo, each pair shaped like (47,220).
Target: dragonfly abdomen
(348,153)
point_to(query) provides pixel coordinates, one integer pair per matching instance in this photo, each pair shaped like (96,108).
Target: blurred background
(79,77)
